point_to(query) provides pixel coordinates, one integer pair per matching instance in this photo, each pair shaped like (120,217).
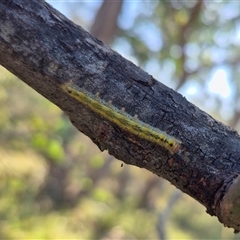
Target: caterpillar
(123,119)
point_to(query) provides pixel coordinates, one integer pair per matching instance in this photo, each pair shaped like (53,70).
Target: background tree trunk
(105,23)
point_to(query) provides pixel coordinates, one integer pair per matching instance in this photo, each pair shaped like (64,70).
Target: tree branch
(50,53)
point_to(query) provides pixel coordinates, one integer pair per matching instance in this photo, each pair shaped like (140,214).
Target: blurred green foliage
(56,184)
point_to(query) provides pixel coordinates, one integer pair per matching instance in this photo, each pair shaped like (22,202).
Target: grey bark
(44,49)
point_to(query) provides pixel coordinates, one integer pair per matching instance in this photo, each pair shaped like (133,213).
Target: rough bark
(45,50)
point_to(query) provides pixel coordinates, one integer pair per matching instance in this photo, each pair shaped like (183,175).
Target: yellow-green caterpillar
(122,119)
